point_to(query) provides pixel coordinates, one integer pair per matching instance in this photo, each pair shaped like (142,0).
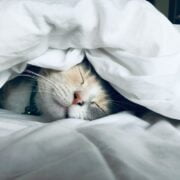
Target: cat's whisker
(118,102)
(40,76)
(53,84)
(46,92)
(34,78)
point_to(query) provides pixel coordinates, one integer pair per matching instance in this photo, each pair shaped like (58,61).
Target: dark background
(170,8)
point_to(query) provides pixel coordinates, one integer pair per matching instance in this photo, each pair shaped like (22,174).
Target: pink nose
(77,98)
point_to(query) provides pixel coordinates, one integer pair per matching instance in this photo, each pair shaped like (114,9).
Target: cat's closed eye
(93,103)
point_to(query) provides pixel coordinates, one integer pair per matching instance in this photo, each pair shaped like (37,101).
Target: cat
(75,93)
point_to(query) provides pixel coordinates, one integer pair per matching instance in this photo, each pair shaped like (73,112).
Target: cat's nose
(77,98)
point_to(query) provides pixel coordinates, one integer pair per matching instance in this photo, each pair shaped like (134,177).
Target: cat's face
(75,93)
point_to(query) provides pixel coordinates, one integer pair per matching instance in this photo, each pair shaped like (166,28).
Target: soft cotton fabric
(131,45)
(129,42)
(119,146)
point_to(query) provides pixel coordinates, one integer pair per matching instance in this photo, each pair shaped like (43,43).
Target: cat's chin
(53,112)
(77,112)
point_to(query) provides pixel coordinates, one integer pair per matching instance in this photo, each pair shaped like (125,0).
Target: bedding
(119,146)
(131,45)
(127,41)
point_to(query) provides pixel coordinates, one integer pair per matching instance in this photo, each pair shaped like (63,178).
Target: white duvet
(131,45)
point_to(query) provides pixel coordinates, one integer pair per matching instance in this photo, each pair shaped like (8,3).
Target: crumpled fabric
(129,43)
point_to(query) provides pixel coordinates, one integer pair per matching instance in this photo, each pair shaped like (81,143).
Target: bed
(138,54)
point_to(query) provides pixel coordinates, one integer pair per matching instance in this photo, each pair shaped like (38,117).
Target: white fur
(18,98)
(57,103)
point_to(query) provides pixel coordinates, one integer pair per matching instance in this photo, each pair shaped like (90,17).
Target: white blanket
(129,43)
(132,46)
(119,146)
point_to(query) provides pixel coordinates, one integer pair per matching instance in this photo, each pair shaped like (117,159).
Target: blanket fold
(129,43)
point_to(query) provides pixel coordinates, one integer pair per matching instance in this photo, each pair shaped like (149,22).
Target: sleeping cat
(76,93)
